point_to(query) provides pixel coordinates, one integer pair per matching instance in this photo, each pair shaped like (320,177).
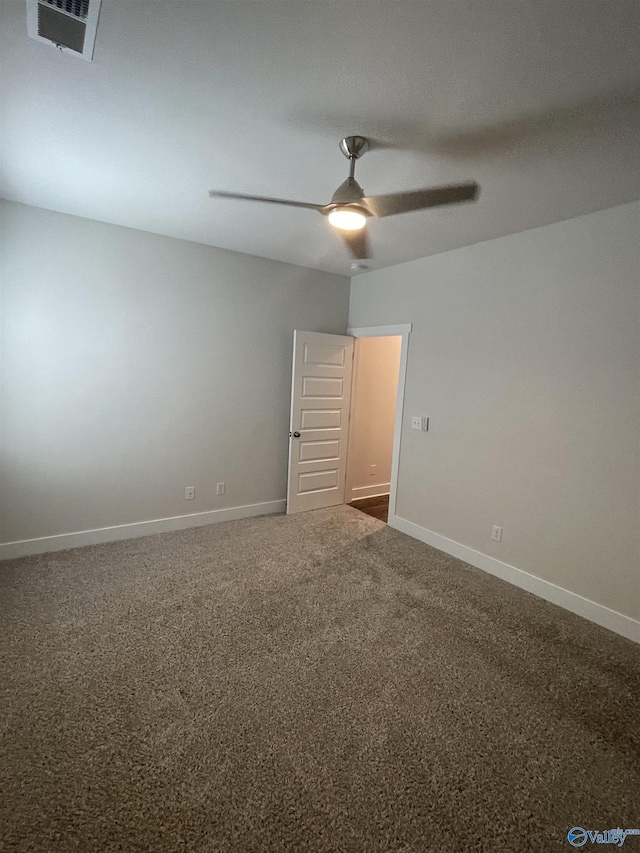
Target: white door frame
(403,330)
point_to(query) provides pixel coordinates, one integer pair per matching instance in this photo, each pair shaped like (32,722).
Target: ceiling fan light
(347,219)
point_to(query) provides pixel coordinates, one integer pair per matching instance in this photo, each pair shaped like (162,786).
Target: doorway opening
(374,394)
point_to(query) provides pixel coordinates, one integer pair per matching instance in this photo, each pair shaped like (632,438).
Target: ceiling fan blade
(357,243)
(388,205)
(217,194)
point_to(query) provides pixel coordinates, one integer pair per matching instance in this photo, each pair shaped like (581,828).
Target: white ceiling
(535,99)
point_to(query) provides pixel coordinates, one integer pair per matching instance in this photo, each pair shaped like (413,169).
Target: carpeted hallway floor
(318,682)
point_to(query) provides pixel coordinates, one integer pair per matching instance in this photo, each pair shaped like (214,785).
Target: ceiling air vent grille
(69,25)
(76,8)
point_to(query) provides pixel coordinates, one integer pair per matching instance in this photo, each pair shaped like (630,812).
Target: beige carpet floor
(310,683)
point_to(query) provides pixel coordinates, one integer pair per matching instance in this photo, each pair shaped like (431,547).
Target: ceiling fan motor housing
(349,192)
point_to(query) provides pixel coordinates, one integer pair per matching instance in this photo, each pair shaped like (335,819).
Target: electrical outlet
(220,488)
(372,470)
(189,493)
(496,533)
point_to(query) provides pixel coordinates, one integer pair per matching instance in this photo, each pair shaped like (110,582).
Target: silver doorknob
(296,435)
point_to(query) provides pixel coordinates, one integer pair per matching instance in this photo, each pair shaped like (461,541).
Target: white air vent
(69,25)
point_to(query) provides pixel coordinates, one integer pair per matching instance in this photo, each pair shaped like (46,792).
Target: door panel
(320,480)
(312,419)
(323,354)
(320,400)
(316,388)
(312,451)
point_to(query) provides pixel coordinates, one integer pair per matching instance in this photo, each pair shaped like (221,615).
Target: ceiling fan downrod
(353,147)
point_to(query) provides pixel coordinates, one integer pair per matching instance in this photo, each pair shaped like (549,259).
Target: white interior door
(319,426)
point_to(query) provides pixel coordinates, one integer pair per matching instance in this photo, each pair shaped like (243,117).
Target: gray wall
(525,355)
(134,365)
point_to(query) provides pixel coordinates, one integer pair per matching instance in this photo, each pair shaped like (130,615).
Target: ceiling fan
(349,208)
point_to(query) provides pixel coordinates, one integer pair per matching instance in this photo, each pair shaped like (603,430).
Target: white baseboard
(59,542)
(591,610)
(358,492)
